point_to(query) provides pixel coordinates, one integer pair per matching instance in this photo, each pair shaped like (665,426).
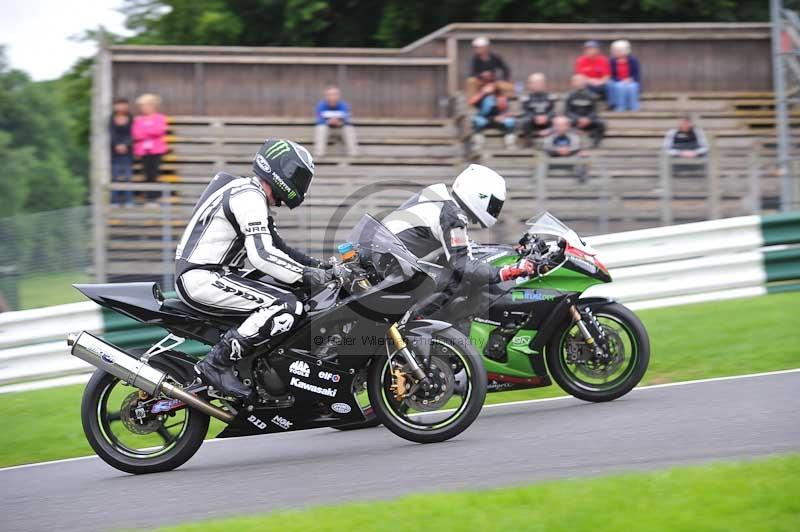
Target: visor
(494,207)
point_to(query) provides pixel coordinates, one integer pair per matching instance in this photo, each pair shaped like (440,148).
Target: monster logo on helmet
(289,171)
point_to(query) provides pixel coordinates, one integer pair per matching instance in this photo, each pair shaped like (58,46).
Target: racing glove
(316,277)
(525,267)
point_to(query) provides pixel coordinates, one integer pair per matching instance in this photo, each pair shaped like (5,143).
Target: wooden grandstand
(627,188)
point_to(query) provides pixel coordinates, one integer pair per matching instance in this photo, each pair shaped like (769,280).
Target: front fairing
(574,275)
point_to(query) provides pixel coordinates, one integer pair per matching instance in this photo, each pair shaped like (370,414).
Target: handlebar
(540,252)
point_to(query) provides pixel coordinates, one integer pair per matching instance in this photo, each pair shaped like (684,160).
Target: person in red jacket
(149,138)
(596,68)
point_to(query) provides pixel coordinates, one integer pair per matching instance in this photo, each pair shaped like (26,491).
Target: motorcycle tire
(584,391)
(115,454)
(467,412)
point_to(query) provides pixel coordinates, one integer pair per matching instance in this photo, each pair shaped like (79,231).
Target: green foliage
(183,22)
(37,150)
(390,22)
(17,164)
(75,90)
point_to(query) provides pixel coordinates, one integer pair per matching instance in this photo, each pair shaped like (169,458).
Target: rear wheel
(600,379)
(451,400)
(136,433)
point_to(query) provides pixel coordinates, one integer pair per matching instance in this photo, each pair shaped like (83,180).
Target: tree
(391,22)
(36,147)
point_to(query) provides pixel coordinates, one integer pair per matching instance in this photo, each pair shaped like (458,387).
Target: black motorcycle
(145,411)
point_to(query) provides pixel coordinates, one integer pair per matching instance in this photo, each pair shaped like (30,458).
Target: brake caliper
(399,385)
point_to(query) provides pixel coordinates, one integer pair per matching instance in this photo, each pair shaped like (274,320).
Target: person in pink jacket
(149,144)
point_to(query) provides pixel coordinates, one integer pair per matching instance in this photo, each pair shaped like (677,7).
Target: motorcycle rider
(434,221)
(232,220)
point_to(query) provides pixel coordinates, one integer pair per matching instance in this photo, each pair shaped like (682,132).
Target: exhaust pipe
(130,369)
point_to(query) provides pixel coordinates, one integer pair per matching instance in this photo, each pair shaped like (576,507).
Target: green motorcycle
(532,329)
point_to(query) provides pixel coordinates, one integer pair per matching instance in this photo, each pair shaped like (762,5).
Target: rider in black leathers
(231,222)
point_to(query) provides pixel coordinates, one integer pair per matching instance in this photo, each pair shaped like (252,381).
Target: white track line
(496,405)
(654,386)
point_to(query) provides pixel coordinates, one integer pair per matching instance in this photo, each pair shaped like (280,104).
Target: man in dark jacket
(581,108)
(562,142)
(487,66)
(686,141)
(538,107)
(121,150)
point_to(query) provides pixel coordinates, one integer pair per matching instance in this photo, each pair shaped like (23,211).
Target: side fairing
(518,363)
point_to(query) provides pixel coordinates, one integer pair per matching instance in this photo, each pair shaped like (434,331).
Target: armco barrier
(720,259)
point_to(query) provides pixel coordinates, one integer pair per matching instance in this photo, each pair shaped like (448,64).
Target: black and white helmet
(287,167)
(481,192)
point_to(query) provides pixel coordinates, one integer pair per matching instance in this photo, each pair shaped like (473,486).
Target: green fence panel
(783,270)
(781,228)
(128,333)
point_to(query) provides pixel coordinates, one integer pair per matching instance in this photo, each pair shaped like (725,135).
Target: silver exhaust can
(130,369)
(105,356)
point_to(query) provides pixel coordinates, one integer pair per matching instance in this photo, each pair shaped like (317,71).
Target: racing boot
(217,368)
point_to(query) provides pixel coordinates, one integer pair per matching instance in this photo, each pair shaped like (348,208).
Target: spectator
(487,66)
(334,113)
(625,78)
(595,68)
(538,107)
(121,150)
(581,108)
(686,141)
(493,112)
(562,142)
(149,143)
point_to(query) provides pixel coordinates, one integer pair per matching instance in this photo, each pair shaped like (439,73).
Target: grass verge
(690,342)
(47,289)
(747,496)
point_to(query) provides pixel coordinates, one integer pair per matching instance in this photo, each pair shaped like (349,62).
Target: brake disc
(594,367)
(135,418)
(441,385)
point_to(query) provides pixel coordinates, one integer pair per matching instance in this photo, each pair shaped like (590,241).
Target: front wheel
(448,402)
(586,376)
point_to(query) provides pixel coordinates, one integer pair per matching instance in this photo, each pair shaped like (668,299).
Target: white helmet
(481,192)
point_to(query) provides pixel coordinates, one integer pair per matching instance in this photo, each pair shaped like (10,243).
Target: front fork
(402,348)
(588,337)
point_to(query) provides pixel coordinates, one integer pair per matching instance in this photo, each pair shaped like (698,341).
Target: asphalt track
(510,444)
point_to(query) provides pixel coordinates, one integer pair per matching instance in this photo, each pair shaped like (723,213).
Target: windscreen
(547,224)
(375,243)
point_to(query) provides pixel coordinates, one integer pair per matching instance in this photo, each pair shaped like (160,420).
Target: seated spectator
(149,132)
(625,78)
(486,65)
(581,109)
(686,141)
(562,142)
(334,113)
(538,107)
(595,68)
(121,151)
(493,113)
